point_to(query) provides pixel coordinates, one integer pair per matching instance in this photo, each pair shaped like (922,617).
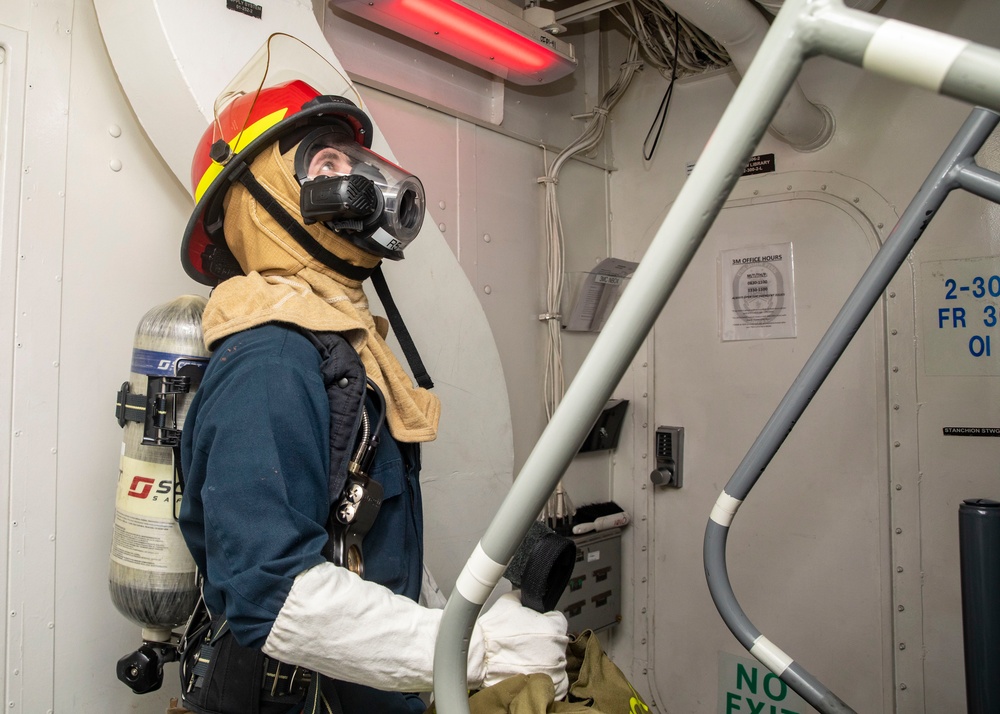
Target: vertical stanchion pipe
(979,552)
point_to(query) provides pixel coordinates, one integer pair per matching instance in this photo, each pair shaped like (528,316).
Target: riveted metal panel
(809,552)
(34,414)
(960,244)
(904,494)
(13,52)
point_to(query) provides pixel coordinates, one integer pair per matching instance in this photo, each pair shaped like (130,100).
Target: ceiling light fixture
(477,32)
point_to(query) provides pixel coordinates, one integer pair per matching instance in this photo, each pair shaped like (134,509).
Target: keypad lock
(669,457)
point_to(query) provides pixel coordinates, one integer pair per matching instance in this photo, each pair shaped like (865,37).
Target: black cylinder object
(542,567)
(142,670)
(979,552)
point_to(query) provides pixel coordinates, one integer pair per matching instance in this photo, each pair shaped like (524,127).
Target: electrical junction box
(592,600)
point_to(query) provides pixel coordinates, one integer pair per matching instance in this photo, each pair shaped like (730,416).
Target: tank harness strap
(129,406)
(258,675)
(199,670)
(322,697)
(178,481)
(205,652)
(346,388)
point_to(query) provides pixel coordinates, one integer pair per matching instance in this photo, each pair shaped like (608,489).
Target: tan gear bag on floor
(596,686)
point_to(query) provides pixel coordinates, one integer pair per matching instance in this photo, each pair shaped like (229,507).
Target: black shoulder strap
(313,247)
(399,329)
(346,384)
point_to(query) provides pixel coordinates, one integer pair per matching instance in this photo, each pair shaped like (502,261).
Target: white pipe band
(479,576)
(912,54)
(725,509)
(770,655)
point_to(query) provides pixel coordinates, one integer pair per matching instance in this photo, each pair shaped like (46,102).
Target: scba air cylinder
(153,578)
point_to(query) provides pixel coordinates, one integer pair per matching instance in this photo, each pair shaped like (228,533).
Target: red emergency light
(474,31)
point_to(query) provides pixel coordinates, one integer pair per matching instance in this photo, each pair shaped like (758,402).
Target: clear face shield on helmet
(282,58)
(370,201)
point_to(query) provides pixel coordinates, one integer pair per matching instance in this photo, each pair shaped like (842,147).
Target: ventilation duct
(740,27)
(773,6)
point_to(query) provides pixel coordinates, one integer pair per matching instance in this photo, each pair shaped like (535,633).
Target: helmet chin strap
(354,272)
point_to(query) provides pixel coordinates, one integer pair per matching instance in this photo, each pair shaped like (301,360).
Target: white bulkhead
(846,554)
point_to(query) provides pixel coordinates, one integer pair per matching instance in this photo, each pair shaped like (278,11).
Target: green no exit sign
(748,687)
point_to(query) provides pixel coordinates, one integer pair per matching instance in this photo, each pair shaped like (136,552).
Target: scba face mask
(357,193)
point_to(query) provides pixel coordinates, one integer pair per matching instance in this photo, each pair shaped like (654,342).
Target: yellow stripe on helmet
(243,138)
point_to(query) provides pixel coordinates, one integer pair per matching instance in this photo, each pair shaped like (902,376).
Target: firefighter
(303,406)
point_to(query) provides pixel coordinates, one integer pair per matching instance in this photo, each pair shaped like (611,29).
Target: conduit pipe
(739,27)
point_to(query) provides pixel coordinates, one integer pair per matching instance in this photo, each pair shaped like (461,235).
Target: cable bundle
(559,508)
(682,53)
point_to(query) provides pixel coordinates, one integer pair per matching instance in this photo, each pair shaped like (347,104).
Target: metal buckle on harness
(351,518)
(294,684)
(353,514)
(161,411)
(276,675)
(158,409)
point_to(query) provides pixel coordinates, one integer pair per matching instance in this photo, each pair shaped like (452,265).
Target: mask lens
(326,157)
(328,161)
(329,151)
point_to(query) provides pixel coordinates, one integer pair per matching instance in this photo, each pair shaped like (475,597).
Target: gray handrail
(955,169)
(802,28)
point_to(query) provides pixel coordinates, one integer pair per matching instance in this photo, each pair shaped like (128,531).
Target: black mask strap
(298,233)
(312,246)
(399,329)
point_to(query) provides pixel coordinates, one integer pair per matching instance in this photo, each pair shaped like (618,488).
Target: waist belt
(227,678)
(284,680)
(279,681)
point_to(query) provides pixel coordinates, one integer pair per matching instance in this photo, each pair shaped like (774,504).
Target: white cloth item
(430,593)
(518,640)
(335,623)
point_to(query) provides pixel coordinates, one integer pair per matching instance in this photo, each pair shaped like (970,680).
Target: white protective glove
(512,639)
(335,623)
